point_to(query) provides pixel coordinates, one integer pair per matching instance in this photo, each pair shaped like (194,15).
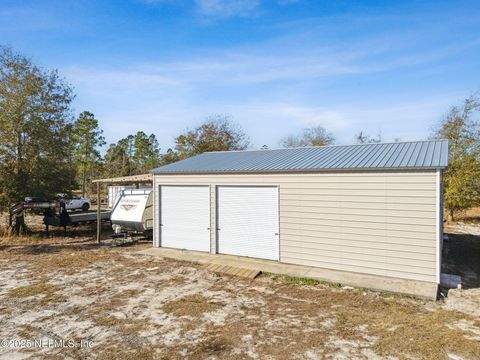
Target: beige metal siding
(156,213)
(381,223)
(213,221)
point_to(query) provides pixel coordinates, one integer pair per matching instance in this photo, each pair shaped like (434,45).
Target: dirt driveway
(121,305)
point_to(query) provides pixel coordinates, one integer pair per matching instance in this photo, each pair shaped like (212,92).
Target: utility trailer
(54,214)
(78,218)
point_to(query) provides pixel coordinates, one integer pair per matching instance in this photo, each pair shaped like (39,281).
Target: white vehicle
(75,202)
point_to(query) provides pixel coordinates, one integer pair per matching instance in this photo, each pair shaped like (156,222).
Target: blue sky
(275,66)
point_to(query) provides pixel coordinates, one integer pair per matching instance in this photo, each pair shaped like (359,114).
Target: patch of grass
(300,280)
(212,347)
(130,327)
(130,293)
(402,330)
(101,306)
(48,292)
(191,305)
(334,285)
(71,262)
(107,321)
(177,280)
(38,288)
(224,288)
(27,332)
(306,281)
(391,295)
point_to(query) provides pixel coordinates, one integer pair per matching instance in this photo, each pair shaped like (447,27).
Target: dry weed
(191,305)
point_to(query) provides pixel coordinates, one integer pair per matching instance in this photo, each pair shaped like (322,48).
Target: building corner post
(99,215)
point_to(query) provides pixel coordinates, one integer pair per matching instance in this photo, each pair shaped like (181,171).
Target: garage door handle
(276,234)
(208,228)
(218,228)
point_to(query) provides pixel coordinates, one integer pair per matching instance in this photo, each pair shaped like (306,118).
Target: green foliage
(462,178)
(132,155)
(35,130)
(87,139)
(118,158)
(300,280)
(146,152)
(462,183)
(313,136)
(217,133)
(170,157)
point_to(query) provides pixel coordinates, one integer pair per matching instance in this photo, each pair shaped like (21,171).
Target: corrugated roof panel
(405,155)
(428,155)
(399,156)
(342,159)
(317,157)
(303,158)
(408,155)
(311,157)
(335,157)
(421,155)
(385,163)
(380,156)
(396,154)
(371,152)
(412,155)
(355,157)
(382,160)
(330,153)
(436,153)
(375,154)
(444,154)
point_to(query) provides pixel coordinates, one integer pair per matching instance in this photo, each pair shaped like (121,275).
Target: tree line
(45,149)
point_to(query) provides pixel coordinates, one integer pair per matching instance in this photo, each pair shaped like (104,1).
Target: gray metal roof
(380,156)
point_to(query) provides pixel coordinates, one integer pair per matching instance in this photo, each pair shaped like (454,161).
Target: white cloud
(122,79)
(270,121)
(132,100)
(272,88)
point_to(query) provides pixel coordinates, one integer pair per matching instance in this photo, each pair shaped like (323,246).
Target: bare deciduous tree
(312,136)
(217,133)
(363,138)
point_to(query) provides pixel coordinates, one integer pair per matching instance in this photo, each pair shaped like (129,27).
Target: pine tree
(87,139)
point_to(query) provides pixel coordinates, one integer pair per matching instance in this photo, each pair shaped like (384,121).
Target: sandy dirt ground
(113,303)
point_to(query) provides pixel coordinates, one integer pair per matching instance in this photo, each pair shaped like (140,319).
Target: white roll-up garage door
(248,221)
(185,217)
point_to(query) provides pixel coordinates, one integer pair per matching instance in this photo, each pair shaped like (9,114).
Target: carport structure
(135,180)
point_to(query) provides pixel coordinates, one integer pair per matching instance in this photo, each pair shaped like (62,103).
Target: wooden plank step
(233,271)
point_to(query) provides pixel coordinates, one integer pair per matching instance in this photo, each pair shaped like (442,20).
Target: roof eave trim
(217,172)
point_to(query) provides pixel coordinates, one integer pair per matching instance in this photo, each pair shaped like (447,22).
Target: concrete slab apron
(410,287)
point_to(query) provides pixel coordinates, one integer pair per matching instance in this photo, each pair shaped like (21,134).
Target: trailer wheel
(85,206)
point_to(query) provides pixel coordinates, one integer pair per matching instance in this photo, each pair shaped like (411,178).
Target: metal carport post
(124,180)
(99,214)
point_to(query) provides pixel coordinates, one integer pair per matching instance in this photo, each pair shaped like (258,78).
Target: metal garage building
(374,209)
